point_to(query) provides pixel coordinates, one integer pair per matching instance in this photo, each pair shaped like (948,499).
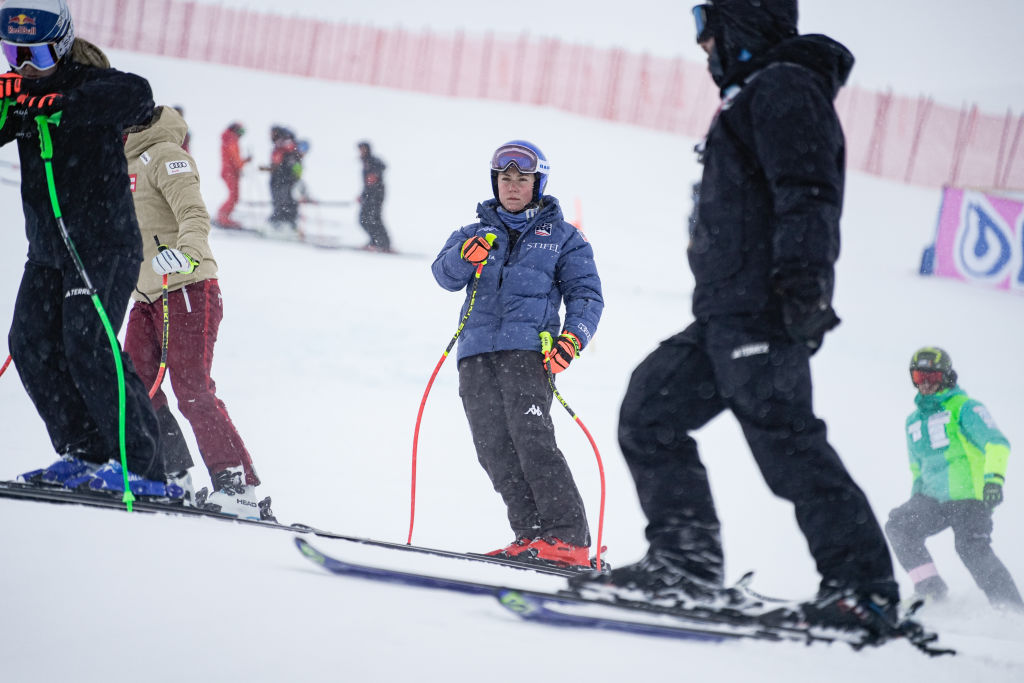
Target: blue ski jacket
(521,290)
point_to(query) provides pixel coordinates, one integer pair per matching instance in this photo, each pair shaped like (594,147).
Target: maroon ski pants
(195,314)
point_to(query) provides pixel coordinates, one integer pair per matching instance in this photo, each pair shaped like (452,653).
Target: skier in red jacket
(231,171)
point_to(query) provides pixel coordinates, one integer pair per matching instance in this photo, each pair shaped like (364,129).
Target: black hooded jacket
(89,167)
(771,193)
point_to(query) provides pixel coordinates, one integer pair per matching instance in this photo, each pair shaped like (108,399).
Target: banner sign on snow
(979,239)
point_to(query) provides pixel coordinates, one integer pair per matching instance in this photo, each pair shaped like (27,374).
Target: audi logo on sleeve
(176,167)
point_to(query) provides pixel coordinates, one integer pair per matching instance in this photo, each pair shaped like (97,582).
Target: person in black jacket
(764,239)
(285,173)
(371,201)
(57,339)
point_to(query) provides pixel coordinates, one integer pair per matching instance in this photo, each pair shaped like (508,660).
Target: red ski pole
(423,402)
(545,346)
(167,331)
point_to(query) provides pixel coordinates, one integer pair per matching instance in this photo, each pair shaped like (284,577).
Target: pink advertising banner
(979,239)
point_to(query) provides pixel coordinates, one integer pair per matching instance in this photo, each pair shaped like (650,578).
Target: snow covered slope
(322,360)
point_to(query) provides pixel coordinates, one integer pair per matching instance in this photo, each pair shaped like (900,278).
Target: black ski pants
(371,219)
(742,364)
(922,516)
(285,206)
(508,404)
(63,356)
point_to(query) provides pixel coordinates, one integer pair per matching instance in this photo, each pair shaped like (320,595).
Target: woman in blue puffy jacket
(523,260)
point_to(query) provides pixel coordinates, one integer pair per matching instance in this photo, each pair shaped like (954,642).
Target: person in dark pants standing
(958,461)
(371,201)
(285,172)
(517,265)
(57,339)
(763,244)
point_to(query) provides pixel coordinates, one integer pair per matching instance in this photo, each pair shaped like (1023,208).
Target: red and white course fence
(914,140)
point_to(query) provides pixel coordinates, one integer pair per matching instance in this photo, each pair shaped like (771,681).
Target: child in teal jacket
(958,461)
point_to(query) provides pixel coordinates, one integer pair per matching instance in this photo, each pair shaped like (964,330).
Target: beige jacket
(168,205)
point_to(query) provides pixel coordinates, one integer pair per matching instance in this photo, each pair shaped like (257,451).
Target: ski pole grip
(545,342)
(491,237)
(159,247)
(45,141)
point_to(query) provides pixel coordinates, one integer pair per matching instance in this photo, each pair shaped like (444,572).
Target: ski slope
(322,360)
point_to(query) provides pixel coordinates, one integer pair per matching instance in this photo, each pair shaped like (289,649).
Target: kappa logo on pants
(535,410)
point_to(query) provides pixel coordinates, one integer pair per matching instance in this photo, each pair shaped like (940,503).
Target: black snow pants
(371,218)
(742,364)
(64,359)
(285,206)
(508,403)
(922,516)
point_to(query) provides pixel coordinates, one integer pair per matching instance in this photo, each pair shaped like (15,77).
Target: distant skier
(285,172)
(172,214)
(958,462)
(371,201)
(57,339)
(231,164)
(537,262)
(763,245)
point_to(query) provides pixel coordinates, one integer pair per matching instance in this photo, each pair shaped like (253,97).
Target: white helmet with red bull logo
(35,32)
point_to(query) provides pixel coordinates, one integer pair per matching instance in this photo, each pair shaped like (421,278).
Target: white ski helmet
(35,32)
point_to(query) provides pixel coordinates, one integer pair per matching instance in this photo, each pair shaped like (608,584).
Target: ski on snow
(112,500)
(643,618)
(319,240)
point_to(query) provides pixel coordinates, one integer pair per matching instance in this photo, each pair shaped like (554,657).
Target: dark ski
(571,610)
(112,500)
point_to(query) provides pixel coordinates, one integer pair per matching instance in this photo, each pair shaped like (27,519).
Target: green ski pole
(46,152)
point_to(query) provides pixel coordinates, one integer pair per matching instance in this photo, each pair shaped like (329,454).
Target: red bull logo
(21,24)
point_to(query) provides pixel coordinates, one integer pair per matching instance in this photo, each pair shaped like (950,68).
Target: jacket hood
(748,28)
(821,54)
(167,125)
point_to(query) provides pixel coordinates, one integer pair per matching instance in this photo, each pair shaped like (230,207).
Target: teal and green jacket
(955,447)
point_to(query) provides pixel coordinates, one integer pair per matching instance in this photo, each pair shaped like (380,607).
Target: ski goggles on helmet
(919,377)
(40,55)
(703,18)
(525,159)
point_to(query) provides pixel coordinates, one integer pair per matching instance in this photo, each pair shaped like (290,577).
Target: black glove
(24,108)
(41,104)
(992,494)
(807,312)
